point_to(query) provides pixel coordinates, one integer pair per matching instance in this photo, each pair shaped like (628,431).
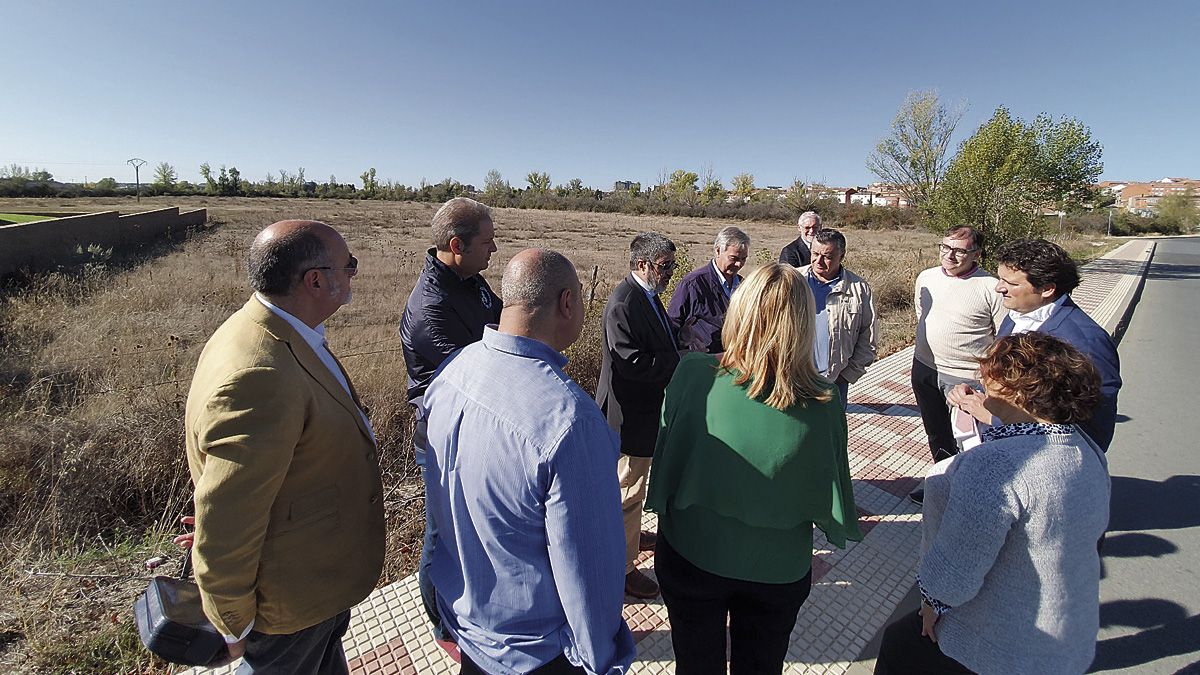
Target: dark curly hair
(1043,262)
(1044,376)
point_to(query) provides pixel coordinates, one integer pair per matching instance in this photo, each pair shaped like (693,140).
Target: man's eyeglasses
(663,267)
(352,267)
(956,252)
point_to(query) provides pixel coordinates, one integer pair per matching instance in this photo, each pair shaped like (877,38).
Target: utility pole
(137,165)
(1110,211)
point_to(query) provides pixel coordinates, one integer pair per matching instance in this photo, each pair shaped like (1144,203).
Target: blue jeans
(424,583)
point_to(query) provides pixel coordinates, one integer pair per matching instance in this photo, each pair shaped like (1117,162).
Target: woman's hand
(970,401)
(928,618)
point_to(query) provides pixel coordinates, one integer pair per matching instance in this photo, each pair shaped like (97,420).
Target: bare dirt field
(94,370)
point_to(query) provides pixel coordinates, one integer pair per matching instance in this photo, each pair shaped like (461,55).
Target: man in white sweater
(958,314)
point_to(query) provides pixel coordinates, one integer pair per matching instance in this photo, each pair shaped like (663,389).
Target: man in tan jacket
(847,325)
(289,511)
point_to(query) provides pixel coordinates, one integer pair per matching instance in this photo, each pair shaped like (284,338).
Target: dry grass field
(94,370)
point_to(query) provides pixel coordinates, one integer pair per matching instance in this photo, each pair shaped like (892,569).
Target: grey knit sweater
(1009,543)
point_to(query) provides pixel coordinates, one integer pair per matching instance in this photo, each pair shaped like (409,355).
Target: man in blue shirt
(528,542)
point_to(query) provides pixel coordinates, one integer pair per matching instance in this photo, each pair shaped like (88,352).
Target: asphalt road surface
(1150,592)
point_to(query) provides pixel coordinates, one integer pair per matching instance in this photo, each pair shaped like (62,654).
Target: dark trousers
(905,651)
(559,666)
(424,583)
(761,617)
(935,413)
(316,650)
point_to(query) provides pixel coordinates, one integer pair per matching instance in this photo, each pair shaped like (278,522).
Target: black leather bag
(171,622)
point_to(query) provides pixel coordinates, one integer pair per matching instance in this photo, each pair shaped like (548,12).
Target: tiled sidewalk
(854,590)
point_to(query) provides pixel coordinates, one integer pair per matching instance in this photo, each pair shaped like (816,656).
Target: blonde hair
(768,338)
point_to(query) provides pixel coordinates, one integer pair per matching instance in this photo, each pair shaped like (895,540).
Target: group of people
(735,392)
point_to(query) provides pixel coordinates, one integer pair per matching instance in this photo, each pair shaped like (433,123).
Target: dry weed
(94,370)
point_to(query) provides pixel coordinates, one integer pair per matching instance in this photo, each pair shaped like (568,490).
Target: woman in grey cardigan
(1010,573)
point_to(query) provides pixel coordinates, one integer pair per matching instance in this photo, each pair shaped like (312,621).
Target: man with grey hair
(701,299)
(447,310)
(797,253)
(846,324)
(639,352)
(524,505)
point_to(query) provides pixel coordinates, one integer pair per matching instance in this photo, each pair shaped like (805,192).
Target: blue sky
(600,91)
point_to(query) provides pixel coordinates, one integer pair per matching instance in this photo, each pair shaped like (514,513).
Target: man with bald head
(289,510)
(528,555)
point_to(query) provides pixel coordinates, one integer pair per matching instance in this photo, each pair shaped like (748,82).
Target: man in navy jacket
(698,306)
(446,311)
(1035,277)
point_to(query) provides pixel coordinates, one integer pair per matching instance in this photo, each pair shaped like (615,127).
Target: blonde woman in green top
(751,454)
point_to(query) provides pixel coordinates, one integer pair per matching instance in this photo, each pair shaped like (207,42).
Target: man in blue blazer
(697,309)
(1035,277)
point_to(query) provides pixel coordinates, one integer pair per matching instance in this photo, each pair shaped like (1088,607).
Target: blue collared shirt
(521,486)
(820,290)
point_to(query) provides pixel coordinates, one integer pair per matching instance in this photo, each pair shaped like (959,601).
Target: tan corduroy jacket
(289,507)
(853,326)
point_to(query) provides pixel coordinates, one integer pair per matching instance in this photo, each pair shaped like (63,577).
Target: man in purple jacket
(698,306)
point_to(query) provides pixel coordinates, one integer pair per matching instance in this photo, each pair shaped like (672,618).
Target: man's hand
(690,338)
(928,618)
(185,540)
(964,397)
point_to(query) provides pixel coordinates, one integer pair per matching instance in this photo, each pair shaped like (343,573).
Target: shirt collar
(1038,316)
(1024,429)
(525,347)
(642,282)
(315,337)
(721,277)
(443,270)
(829,283)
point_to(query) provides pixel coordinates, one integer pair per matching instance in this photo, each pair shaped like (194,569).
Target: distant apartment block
(1142,197)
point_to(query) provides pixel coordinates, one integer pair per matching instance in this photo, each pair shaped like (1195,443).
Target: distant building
(1144,197)
(623,186)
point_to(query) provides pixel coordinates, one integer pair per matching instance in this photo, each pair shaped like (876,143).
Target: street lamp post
(137,165)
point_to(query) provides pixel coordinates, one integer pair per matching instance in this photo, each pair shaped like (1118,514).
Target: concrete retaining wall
(63,242)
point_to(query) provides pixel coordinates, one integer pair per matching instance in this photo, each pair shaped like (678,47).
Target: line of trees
(1011,178)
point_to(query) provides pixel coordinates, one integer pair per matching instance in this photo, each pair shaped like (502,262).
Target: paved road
(1150,594)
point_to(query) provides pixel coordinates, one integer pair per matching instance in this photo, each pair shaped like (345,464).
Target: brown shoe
(647,540)
(640,586)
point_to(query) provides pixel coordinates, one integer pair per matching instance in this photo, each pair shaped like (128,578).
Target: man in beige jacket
(289,511)
(846,323)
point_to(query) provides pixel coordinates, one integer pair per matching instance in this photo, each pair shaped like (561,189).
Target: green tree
(682,186)
(206,174)
(41,176)
(711,188)
(1178,212)
(164,177)
(1009,172)
(538,182)
(913,157)
(106,184)
(494,185)
(743,185)
(370,185)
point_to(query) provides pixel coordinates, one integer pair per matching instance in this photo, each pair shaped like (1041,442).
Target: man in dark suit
(639,355)
(1035,277)
(797,253)
(702,297)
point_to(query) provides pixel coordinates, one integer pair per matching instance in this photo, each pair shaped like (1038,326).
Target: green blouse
(738,485)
